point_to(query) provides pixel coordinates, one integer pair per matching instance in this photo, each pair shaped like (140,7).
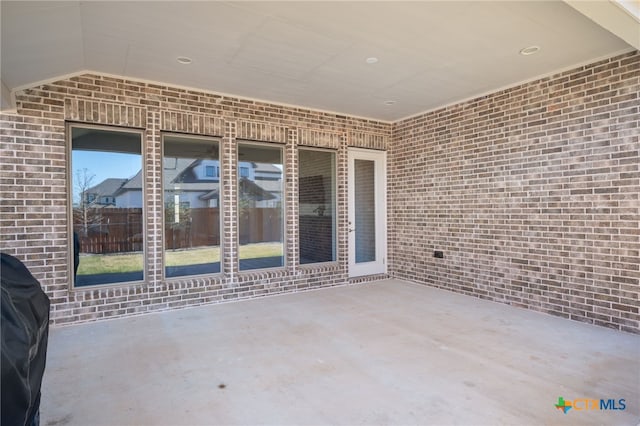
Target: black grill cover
(25,330)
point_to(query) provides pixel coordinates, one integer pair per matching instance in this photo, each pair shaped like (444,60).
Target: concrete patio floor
(389,352)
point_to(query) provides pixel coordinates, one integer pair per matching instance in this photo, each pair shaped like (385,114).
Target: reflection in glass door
(367,207)
(364,210)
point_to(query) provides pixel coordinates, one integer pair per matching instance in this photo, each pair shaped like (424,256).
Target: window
(108,241)
(317,205)
(107,200)
(191,206)
(260,213)
(244,172)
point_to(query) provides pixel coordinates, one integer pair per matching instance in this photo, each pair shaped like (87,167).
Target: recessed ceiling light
(389,102)
(372,60)
(184,60)
(530,50)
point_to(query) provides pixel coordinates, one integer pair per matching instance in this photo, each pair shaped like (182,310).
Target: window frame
(284,205)
(69,126)
(337,214)
(221,204)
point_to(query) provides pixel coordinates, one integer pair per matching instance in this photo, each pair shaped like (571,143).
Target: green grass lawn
(256,250)
(109,263)
(194,256)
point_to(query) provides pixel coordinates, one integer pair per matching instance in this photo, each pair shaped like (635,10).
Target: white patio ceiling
(311,54)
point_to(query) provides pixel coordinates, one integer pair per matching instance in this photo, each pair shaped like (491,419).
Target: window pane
(191,206)
(317,202)
(365,199)
(107,182)
(260,219)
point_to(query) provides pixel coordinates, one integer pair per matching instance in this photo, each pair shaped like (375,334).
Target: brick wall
(34,209)
(532,193)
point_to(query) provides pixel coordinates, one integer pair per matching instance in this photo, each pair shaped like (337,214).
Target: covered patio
(390,352)
(328,212)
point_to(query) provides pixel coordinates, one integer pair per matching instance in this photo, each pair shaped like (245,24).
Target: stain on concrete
(61,421)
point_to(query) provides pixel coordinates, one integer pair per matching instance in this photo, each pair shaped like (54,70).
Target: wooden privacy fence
(109,230)
(118,230)
(198,227)
(257,225)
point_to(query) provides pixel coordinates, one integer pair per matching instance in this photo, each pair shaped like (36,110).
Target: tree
(83,181)
(177,219)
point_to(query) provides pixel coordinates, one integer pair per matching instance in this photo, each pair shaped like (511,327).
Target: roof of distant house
(174,168)
(269,185)
(210,195)
(107,188)
(180,172)
(266,168)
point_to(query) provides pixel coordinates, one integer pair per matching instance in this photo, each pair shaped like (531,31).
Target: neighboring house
(103,194)
(267,180)
(130,194)
(196,184)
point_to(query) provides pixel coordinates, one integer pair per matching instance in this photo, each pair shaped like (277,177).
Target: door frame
(379,265)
